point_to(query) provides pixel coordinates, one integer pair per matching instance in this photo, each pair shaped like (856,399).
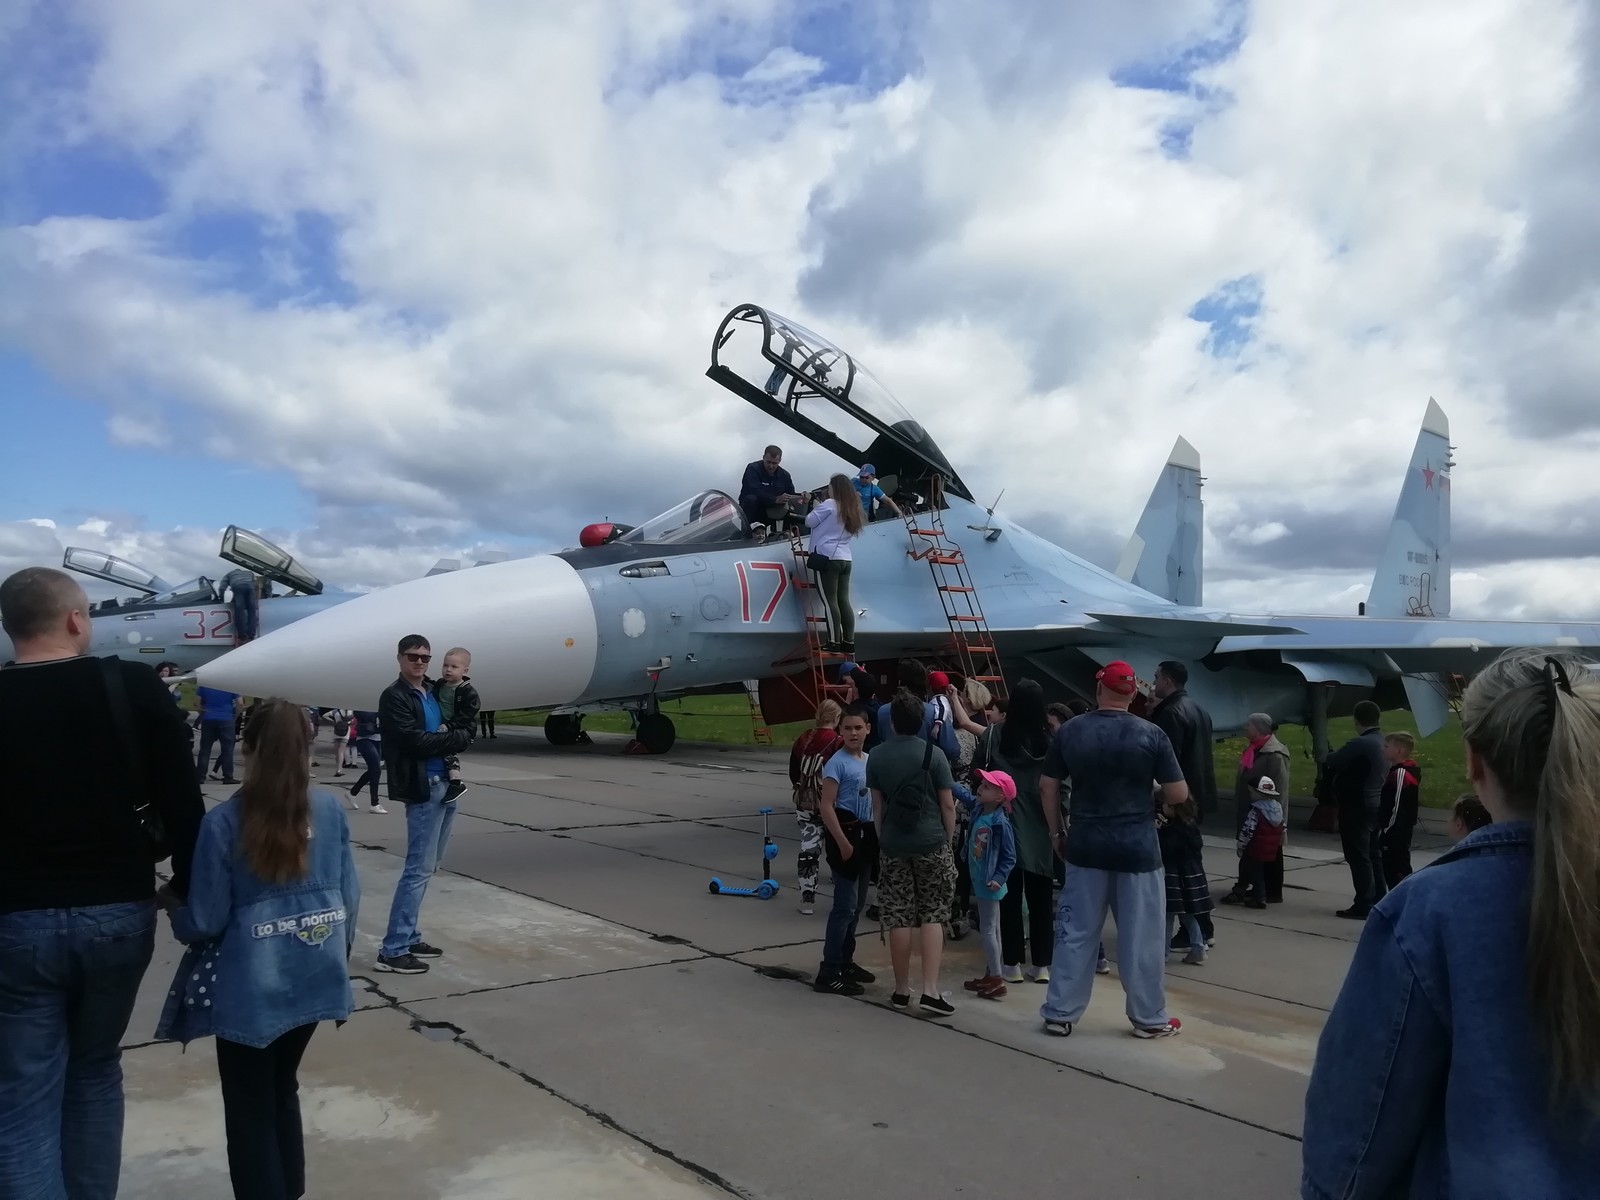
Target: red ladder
(758,720)
(814,618)
(973,646)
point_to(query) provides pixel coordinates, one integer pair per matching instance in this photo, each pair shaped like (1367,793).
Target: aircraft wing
(1418,643)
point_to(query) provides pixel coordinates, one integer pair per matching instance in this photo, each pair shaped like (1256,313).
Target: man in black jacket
(1353,777)
(1188,728)
(77,881)
(415,745)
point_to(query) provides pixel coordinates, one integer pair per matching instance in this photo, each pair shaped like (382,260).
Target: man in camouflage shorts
(915,815)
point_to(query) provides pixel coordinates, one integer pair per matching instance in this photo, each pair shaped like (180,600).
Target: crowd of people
(1462,1047)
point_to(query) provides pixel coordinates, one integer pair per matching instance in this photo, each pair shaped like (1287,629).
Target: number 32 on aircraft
(748,582)
(209,625)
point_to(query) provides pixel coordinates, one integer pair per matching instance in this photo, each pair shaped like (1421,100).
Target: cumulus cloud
(490,245)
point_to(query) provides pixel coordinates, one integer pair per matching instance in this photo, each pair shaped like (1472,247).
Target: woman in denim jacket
(269,921)
(1462,1058)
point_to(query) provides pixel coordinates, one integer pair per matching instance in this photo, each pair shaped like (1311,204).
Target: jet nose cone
(529,624)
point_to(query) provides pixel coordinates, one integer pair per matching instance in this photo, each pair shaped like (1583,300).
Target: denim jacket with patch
(1428,1079)
(264,958)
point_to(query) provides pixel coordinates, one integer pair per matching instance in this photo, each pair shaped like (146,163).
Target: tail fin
(1413,576)
(1164,554)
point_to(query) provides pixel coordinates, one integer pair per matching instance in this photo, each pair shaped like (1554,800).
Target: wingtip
(1184,455)
(1434,420)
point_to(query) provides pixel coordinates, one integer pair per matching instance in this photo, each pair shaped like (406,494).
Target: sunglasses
(418,658)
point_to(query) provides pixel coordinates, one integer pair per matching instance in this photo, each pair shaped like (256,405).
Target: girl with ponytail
(1463,1055)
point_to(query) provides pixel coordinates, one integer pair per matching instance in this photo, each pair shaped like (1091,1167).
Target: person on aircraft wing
(766,485)
(866,485)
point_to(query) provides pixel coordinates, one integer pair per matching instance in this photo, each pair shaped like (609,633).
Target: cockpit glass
(196,591)
(120,571)
(823,392)
(254,553)
(709,517)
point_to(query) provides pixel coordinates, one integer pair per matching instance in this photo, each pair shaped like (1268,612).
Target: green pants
(835,578)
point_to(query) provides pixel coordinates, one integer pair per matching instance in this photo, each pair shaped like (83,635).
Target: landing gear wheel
(563,729)
(656,733)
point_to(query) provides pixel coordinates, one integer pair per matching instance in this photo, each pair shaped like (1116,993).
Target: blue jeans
(211,733)
(839,942)
(1139,904)
(989,929)
(1191,926)
(427,834)
(244,611)
(68,979)
(368,749)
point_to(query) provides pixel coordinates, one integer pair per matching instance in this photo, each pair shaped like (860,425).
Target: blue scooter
(768,887)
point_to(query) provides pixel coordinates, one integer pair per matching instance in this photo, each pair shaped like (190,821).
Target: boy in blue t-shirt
(845,810)
(866,485)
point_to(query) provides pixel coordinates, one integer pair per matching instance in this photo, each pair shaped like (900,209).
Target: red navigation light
(597,535)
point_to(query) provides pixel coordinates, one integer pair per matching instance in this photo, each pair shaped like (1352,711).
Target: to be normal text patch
(313,928)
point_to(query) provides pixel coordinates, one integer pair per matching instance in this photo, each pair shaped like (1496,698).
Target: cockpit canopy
(703,519)
(119,571)
(254,553)
(814,387)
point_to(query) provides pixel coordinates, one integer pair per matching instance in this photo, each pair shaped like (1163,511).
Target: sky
(422,279)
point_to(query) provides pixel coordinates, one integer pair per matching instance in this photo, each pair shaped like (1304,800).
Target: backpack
(808,792)
(903,806)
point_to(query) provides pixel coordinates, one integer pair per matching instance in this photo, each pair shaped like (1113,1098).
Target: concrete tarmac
(602,1026)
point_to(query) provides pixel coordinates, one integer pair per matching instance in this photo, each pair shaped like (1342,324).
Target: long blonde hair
(276,806)
(1534,719)
(845,498)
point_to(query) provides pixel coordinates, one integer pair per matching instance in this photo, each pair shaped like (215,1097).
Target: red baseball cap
(1118,677)
(938,681)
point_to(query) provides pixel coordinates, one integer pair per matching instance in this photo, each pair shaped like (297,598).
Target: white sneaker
(1012,973)
(1103,967)
(1039,974)
(378,808)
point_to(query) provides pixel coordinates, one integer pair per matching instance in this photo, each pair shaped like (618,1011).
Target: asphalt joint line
(446,1031)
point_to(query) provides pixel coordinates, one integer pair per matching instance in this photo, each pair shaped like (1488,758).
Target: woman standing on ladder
(832,524)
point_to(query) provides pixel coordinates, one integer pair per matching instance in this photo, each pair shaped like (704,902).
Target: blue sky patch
(1230,310)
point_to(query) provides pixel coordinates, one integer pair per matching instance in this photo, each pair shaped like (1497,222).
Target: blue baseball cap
(846,667)
(867,469)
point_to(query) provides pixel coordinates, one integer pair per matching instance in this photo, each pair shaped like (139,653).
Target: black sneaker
(936,1006)
(424,950)
(859,974)
(401,964)
(1353,913)
(1180,940)
(900,1000)
(455,791)
(837,985)
(872,912)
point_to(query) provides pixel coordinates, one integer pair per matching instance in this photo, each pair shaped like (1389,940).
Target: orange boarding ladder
(758,721)
(972,643)
(814,619)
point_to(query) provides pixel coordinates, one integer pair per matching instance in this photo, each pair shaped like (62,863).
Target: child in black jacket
(458,708)
(1397,811)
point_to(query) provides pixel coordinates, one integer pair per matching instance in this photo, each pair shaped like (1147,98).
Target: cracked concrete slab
(393,1114)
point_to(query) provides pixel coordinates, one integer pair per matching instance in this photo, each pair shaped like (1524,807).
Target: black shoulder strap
(927,761)
(122,722)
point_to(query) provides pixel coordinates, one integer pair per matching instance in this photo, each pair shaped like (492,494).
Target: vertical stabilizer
(1413,576)
(1164,555)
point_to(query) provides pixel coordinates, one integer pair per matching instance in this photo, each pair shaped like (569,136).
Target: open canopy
(254,553)
(119,571)
(817,389)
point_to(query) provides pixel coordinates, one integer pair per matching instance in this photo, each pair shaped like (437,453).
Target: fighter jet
(191,623)
(698,599)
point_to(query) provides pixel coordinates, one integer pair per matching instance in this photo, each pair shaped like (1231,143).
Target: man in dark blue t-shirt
(217,712)
(1116,763)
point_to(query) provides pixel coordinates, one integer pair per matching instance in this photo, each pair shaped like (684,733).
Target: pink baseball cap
(1006,784)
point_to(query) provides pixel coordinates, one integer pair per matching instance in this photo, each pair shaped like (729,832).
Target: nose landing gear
(656,733)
